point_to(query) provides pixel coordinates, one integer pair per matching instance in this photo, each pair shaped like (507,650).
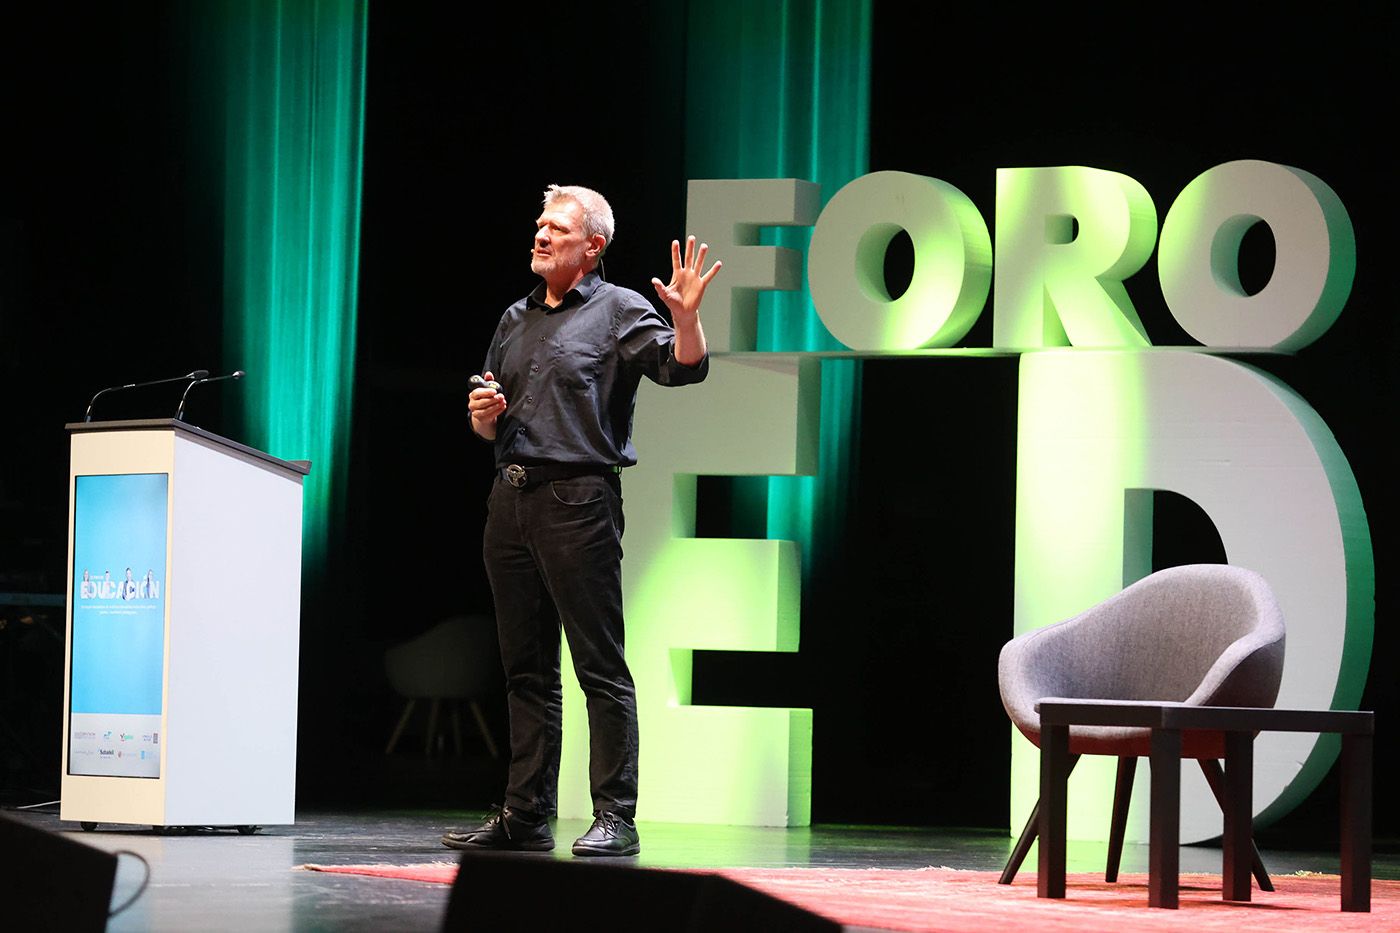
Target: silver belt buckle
(515,475)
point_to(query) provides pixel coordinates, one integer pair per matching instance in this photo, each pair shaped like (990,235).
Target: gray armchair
(455,661)
(1203,634)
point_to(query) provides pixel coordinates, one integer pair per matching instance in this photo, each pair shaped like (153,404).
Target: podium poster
(118,599)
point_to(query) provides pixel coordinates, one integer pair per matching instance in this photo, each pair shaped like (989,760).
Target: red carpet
(943,899)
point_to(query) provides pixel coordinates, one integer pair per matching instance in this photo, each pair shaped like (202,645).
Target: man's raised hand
(689,279)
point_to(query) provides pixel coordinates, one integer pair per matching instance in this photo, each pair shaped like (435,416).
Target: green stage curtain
(781,90)
(295,74)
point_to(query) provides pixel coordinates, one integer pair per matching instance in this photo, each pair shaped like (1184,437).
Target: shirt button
(520,431)
(529,399)
(541,340)
(534,368)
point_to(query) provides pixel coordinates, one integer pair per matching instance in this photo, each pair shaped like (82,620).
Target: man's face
(561,247)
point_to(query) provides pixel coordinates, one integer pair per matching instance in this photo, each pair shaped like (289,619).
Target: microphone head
(199,374)
(239,374)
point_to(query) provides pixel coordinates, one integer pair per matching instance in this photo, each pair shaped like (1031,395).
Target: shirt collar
(575,296)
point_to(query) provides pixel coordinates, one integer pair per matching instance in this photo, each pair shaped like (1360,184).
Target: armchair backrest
(1210,634)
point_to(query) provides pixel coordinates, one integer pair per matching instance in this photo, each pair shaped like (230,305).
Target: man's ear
(595,245)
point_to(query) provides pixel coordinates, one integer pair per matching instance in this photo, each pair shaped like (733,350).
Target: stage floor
(226,881)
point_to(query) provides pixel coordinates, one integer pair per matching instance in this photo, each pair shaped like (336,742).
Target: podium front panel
(116,672)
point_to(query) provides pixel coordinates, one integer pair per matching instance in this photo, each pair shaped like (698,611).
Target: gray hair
(597,213)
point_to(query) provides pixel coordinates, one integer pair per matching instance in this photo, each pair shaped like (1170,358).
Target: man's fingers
(693,263)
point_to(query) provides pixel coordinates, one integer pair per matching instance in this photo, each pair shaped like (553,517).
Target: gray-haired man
(568,359)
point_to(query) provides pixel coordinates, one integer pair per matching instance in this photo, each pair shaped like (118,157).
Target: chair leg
(485,729)
(398,730)
(1027,838)
(1122,796)
(1023,846)
(1215,777)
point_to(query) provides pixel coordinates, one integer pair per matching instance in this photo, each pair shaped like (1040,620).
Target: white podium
(184,602)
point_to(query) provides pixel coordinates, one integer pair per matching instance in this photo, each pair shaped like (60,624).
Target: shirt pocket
(577,365)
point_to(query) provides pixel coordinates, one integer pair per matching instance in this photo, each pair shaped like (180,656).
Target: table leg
(1356,822)
(1237,843)
(1164,835)
(1054,794)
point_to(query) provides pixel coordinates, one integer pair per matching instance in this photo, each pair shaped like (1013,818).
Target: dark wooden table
(1239,726)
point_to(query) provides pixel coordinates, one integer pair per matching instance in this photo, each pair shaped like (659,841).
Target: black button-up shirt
(570,374)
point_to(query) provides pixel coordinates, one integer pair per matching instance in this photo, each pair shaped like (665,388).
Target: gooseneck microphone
(180,412)
(192,377)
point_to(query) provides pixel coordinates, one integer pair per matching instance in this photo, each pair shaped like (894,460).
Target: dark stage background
(110,271)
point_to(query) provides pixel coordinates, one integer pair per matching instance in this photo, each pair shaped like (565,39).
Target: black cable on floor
(144,881)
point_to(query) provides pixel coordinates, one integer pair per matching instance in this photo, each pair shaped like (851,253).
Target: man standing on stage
(569,358)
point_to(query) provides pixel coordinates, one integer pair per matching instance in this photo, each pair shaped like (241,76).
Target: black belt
(523,476)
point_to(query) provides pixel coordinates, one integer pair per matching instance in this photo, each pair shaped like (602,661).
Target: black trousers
(553,555)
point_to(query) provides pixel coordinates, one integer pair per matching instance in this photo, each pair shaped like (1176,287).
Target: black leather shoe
(610,834)
(508,830)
